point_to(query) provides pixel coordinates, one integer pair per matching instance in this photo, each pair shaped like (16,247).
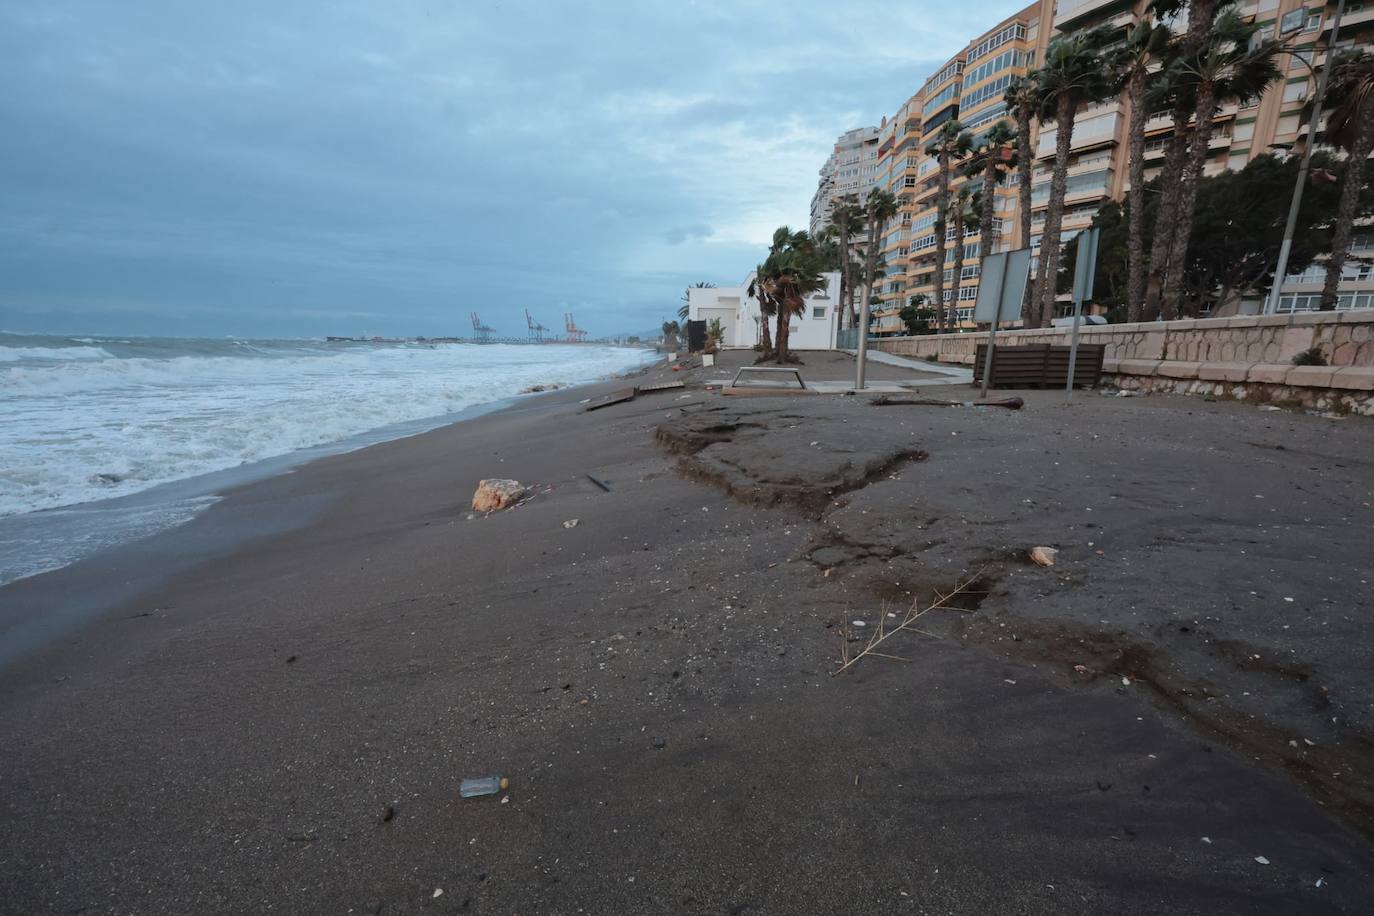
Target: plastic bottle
(484,785)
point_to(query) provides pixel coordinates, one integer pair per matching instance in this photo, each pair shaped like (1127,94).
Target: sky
(260,168)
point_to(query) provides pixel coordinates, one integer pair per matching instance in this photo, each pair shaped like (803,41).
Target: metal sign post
(1001,286)
(861,344)
(1084,273)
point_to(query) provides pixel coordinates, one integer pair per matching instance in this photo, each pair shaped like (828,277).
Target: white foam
(19,354)
(90,428)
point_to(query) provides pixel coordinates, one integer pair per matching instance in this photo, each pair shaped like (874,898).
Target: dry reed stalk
(913,614)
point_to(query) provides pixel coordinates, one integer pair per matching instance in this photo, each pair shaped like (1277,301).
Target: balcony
(1349,22)
(1072,11)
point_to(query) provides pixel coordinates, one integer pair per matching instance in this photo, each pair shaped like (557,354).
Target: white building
(852,168)
(738,312)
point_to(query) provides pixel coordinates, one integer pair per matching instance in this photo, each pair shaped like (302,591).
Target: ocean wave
(87,429)
(19,354)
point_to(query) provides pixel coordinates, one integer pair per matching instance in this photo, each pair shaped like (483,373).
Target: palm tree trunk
(784,328)
(1048,272)
(1170,187)
(1025,176)
(765,339)
(958,267)
(941,208)
(1352,183)
(844,268)
(985,245)
(1135,244)
(1187,199)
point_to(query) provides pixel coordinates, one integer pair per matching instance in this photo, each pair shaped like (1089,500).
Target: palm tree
(1227,67)
(1172,85)
(1132,64)
(995,154)
(963,214)
(1167,88)
(1022,102)
(1073,76)
(846,217)
(686,307)
(1351,127)
(791,272)
(670,331)
(879,207)
(951,143)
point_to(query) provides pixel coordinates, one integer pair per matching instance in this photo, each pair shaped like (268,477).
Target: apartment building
(970,86)
(850,169)
(1275,123)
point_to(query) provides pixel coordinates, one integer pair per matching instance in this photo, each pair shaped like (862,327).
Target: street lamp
(1281,270)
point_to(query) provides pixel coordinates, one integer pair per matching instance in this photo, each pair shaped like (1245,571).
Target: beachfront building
(850,169)
(739,314)
(1277,122)
(971,85)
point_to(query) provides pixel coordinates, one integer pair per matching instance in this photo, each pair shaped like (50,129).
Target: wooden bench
(1040,366)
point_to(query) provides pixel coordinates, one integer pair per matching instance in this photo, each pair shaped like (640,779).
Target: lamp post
(1281,270)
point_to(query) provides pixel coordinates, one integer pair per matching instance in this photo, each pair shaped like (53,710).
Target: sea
(108,439)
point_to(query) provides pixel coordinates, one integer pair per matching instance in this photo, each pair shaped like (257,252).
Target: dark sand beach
(270,709)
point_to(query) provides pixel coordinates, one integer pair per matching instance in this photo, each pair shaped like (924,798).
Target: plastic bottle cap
(505,783)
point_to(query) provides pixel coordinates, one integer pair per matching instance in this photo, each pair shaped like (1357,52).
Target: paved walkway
(951,375)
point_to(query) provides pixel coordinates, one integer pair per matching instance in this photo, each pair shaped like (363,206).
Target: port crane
(536,329)
(483,331)
(575,334)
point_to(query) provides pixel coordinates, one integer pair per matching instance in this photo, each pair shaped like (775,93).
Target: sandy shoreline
(655,681)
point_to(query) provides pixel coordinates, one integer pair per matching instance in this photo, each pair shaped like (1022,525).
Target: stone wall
(1248,357)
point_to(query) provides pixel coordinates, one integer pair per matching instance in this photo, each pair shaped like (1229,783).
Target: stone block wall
(1247,357)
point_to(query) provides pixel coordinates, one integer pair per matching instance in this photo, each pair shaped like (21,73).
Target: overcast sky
(261,167)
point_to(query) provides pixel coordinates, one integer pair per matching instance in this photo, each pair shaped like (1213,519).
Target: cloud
(679,234)
(418,160)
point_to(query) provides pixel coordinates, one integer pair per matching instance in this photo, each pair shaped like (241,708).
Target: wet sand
(346,641)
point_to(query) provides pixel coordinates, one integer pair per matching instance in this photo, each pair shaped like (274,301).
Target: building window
(817,311)
(1309,302)
(1010,33)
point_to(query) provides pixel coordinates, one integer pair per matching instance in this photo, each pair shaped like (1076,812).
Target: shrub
(1312,357)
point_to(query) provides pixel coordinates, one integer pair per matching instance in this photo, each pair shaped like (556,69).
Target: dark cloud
(259,167)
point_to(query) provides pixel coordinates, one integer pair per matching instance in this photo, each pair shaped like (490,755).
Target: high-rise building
(850,169)
(971,85)
(1274,123)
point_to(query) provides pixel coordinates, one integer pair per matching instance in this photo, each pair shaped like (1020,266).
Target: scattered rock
(570,523)
(660,743)
(290,659)
(1043,556)
(495,494)
(387,814)
(438,892)
(1261,860)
